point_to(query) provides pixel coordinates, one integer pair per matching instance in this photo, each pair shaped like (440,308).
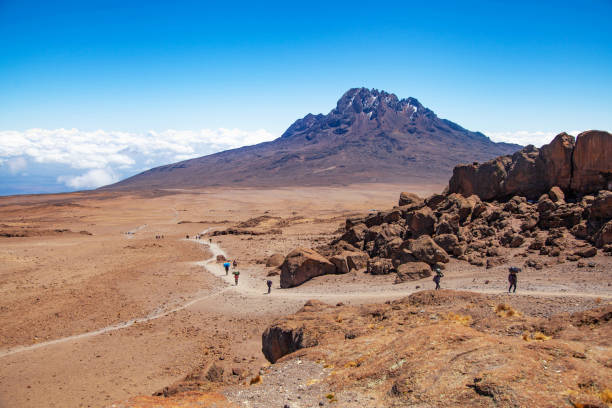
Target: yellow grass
(505,310)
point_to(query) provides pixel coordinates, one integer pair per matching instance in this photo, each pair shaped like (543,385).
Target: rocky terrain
(419,234)
(449,349)
(370,136)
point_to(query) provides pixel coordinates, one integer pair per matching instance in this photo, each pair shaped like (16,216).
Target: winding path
(252,286)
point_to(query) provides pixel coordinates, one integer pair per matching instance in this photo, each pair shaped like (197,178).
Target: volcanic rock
(580,167)
(275,260)
(301,265)
(426,250)
(409,198)
(592,161)
(412,271)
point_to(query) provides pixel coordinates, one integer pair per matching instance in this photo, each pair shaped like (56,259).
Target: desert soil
(96,309)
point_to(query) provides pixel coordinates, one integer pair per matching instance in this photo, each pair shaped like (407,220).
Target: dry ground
(58,282)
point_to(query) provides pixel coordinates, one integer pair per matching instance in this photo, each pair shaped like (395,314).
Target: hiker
(226,265)
(235,263)
(512,278)
(187,236)
(438,276)
(269,283)
(210,240)
(236,275)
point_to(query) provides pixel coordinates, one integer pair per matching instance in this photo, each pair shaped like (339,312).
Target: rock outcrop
(303,264)
(576,167)
(451,349)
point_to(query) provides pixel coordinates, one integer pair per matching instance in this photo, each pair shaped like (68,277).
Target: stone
(275,260)
(380,266)
(412,271)
(601,209)
(409,198)
(357,260)
(556,194)
(604,235)
(578,166)
(355,234)
(340,262)
(420,222)
(426,250)
(303,264)
(592,169)
(586,252)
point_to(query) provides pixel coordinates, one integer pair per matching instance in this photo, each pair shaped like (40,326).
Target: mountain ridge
(370,136)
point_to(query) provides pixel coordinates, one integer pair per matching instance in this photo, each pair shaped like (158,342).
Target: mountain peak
(372,100)
(369,136)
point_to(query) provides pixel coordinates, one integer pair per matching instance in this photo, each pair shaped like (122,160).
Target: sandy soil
(57,282)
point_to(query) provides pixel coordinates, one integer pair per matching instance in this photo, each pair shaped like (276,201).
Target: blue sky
(515,70)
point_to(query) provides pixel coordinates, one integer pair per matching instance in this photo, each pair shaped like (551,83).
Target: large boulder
(592,162)
(380,266)
(340,262)
(409,199)
(426,250)
(604,235)
(485,180)
(286,336)
(412,271)
(275,260)
(303,264)
(601,208)
(420,222)
(557,158)
(355,234)
(357,260)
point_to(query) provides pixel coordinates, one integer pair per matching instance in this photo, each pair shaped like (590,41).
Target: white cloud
(92,179)
(115,154)
(17,164)
(526,137)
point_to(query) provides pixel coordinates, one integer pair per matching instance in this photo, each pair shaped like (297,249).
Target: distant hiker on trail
(235,263)
(226,265)
(236,275)
(269,283)
(512,278)
(210,240)
(437,277)
(187,236)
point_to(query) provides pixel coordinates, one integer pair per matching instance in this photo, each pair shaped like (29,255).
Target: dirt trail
(252,286)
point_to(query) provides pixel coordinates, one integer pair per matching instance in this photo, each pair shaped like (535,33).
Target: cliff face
(576,166)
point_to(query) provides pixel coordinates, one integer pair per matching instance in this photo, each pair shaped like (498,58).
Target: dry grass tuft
(536,336)
(505,310)
(465,320)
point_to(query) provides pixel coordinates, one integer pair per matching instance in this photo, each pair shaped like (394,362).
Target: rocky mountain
(370,136)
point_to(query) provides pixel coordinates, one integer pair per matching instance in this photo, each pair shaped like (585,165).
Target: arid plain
(77,269)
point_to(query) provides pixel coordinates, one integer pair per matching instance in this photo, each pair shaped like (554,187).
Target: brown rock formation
(301,265)
(580,167)
(592,162)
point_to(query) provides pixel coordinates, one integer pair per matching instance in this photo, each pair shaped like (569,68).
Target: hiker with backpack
(269,283)
(236,275)
(226,265)
(512,278)
(437,276)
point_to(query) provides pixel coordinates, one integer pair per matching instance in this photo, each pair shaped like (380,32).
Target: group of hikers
(227,265)
(159,237)
(512,277)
